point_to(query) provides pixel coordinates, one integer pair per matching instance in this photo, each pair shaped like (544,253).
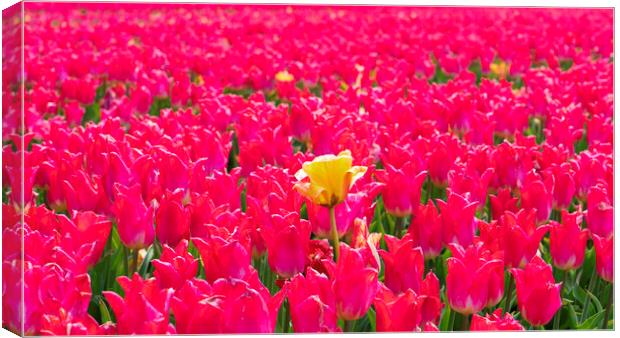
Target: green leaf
(105,313)
(92,113)
(592,322)
(372,318)
(572,317)
(445,319)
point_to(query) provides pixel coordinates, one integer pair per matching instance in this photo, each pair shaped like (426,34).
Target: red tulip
(600,213)
(538,195)
(144,310)
(520,237)
(49,290)
(404,264)
(196,310)
(249,300)
(134,220)
(312,303)
(172,218)
(223,258)
(288,240)
(503,202)
(495,322)
(426,231)
(65,324)
(355,283)
(397,312)
(431,304)
(474,280)
(458,221)
(174,266)
(84,193)
(604,247)
(401,194)
(537,294)
(563,185)
(567,242)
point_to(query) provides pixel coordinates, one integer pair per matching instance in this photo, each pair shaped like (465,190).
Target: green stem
(349,325)
(400,221)
(590,288)
(334,233)
(126,260)
(610,301)
(134,262)
(508,294)
(465,323)
(451,321)
(556,320)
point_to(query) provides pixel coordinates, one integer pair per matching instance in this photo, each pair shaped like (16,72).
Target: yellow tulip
(326,180)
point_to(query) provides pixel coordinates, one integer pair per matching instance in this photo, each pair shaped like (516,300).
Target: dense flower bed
(222,169)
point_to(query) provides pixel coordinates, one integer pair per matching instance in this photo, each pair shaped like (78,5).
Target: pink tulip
(172,218)
(563,185)
(604,247)
(538,295)
(195,308)
(144,310)
(458,221)
(223,258)
(250,300)
(397,312)
(426,230)
(404,264)
(474,281)
(520,237)
(600,213)
(495,321)
(567,242)
(355,283)
(174,266)
(288,240)
(503,202)
(134,220)
(312,303)
(401,194)
(538,195)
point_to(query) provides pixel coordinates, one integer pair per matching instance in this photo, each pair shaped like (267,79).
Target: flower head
(326,180)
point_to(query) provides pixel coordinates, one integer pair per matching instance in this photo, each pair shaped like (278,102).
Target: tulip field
(198,169)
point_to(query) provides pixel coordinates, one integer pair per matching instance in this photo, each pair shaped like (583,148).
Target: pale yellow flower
(326,180)
(284,76)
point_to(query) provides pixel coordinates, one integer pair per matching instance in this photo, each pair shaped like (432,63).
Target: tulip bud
(172,219)
(567,242)
(426,230)
(537,294)
(355,283)
(520,237)
(223,258)
(397,312)
(473,281)
(134,220)
(458,219)
(604,247)
(288,240)
(600,213)
(401,195)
